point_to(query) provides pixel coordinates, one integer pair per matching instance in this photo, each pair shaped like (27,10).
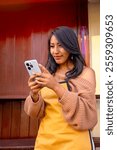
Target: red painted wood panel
(6,120)
(16,119)
(22,20)
(24,35)
(14,122)
(24,124)
(0,119)
(24,31)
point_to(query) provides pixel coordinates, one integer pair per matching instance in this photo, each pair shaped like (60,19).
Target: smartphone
(32,66)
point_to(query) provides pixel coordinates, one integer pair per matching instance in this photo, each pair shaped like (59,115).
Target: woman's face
(60,55)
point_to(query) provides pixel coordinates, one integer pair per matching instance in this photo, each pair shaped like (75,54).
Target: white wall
(94,40)
(94,46)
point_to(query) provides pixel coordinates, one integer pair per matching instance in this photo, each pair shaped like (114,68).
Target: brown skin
(45,79)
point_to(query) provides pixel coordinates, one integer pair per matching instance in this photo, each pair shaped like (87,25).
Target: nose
(56,49)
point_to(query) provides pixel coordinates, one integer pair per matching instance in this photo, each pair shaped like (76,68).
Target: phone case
(32,66)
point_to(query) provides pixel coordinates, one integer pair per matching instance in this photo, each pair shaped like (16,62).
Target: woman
(63,96)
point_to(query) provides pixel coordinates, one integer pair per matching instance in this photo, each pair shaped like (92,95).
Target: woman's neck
(62,69)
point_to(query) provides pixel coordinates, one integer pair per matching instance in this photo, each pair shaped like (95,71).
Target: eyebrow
(54,43)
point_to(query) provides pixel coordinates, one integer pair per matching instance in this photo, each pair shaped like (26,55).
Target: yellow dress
(54,131)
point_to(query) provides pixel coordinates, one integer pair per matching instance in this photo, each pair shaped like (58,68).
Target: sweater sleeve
(79,107)
(34,110)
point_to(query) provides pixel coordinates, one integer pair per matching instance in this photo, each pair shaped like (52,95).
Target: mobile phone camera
(29,66)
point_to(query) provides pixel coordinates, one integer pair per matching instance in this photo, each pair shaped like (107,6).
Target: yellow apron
(54,132)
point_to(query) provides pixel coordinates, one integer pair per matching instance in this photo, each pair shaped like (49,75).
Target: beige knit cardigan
(78,105)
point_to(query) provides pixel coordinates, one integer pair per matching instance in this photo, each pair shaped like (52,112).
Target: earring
(72,57)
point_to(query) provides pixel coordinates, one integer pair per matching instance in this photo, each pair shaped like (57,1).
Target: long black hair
(69,41)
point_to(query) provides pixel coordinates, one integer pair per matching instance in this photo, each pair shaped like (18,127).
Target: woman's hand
(34,87)
(45,79)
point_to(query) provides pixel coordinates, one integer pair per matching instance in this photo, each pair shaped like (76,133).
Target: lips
(57,57)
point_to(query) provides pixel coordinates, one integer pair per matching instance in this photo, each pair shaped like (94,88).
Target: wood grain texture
(14,122)
(24,35)
(24,123)
(15,119)
(6,120)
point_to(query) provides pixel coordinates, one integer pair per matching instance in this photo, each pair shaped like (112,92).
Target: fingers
(43,69)
(32,83)
(44,72)
(34,87)
(32,78)
(41,81)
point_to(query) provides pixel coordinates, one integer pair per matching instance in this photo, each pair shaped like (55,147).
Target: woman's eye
(51,46)
(59,45)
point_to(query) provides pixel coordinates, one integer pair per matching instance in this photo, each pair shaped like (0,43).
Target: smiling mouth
(57,57)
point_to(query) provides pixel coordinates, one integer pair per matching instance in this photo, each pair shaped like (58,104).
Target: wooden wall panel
(24,124)
(0,119)
(6,61)
(16,119)
(6,119)
(39,46)
(14,122)
(25,36)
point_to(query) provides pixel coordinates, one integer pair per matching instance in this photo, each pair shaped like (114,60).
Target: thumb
(43,69)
